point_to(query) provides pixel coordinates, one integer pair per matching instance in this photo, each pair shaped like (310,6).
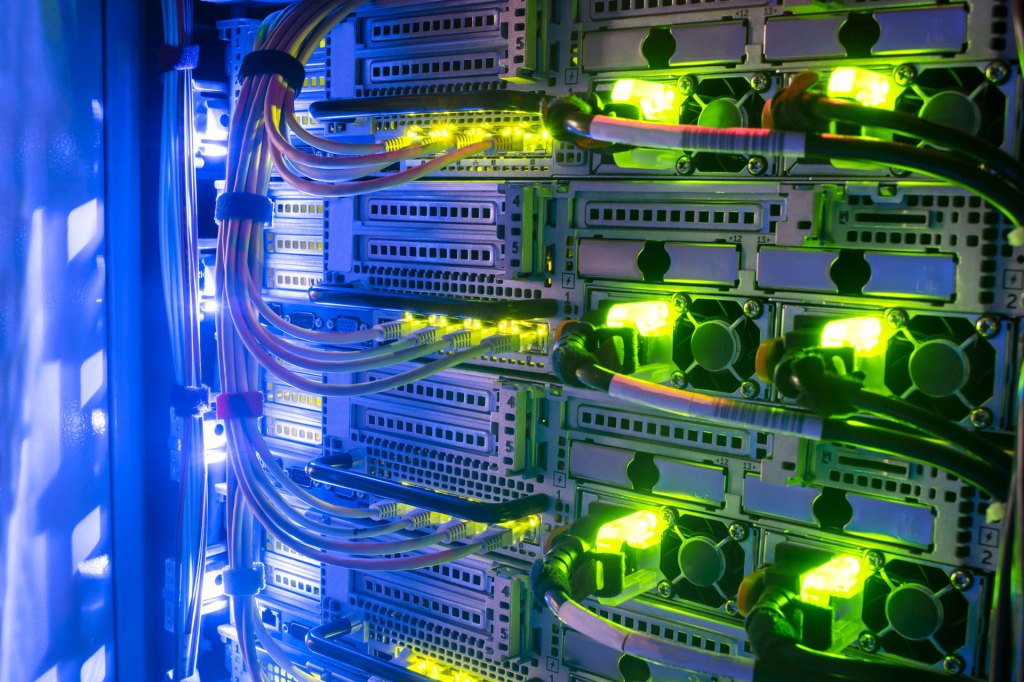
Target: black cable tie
(274,62)
(244,206)
(244,582)
(177,57)
(190,401)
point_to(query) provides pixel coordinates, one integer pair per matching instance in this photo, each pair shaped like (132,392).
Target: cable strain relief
(454,530)
(503,343)
(505,143)
(425,335)
(422,518)
(499,539)
(463,338)
(392,331)
(389,509)
(396,143)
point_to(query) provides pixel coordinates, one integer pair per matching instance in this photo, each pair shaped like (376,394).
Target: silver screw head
(997,72)
(981,418)
(680,302)
(875,559)
(664,589)
(684,165)
(318,323)
(738,531)
(330,324)
(961,579)
(731,607)
(749,389)
(987,326)
(669,515)
(760,82)
(687,84)
(904,74)
(757,165)
(896,318)
(678,380)
(753,308)
(953,664)
(868,642)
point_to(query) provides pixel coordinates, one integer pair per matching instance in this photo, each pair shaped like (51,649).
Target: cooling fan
(704,563)
(915,611)
(715,344)
(961,98)
(722,103)
(941,364)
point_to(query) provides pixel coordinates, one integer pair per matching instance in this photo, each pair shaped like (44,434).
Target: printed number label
(1013,301)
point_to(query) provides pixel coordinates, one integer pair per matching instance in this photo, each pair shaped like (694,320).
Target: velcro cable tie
(240,405)
(178,58)
(274,62)
(244,206)
(190,401)
(244,582)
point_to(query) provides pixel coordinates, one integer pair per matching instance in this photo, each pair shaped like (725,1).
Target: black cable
(981,475)
(1003,197)
(322,641)
(839,667)
(508,309)
(595,377)
(503,100)
(329,470)
(911,415)
(919,128)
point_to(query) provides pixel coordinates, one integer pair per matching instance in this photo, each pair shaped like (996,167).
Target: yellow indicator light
(842,577)
(436,670)
(651,318)
(867,87)
(862,333)
(657,101)
(639,530)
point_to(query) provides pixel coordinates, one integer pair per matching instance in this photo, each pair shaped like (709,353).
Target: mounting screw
(868,642)
(757,165)
(987,326)
(318,323)
(684,165)
(953,664)
(669,515)
(875,559)
(687,84)
(664,589)
(981,418)
(680,302)
(997,72)
(760,82)
(330,324)
(753,308)
(749,389)
(732,608)
(896,318)
(961,579)
(904,74)
(738,531)
(678,380)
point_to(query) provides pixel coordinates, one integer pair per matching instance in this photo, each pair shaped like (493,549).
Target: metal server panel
(738,249)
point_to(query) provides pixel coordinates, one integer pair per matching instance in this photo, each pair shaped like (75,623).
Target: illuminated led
(640,530)
(651,318)
(867,87)
(862,333)
(842,577)
(657,101)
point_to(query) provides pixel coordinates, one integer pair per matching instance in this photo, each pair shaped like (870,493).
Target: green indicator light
(862,333)
(867,87)
(639,530)
(842,577)
(657,101)
(650,318)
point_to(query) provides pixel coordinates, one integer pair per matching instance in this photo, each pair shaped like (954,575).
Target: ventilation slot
(687,435)
(449,253)
(424,28)
(612,9)
(433,212)
(441,394)
(674,216)
(442,609)
(454,66)
(418,429)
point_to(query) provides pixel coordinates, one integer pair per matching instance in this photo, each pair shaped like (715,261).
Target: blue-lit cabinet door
(56,620)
